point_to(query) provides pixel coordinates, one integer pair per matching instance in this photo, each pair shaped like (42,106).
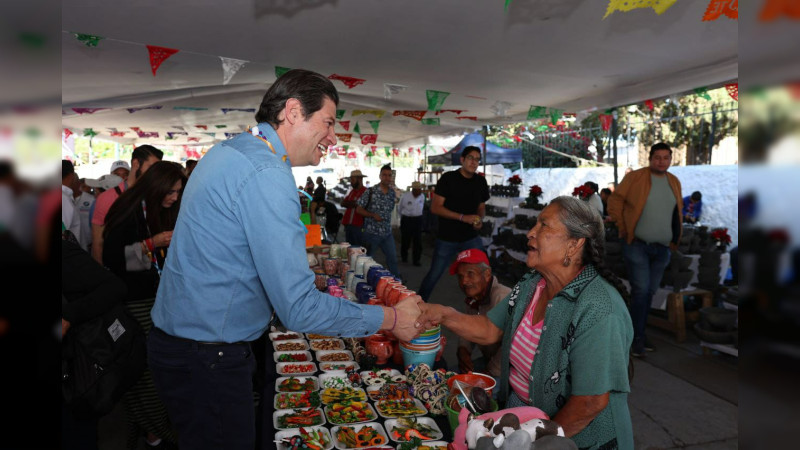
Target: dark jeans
(645,264)
(444,253)
(411,231)
(386,244)
(353,235)
(207,389)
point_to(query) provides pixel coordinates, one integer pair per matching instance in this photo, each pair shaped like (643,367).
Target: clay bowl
(715,318)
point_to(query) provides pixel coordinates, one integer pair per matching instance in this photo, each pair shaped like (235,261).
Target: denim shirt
(238,253)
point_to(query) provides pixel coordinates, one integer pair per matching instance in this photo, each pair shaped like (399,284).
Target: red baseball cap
(470,256)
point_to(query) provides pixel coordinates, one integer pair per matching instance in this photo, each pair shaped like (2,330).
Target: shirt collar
(574,288)
(269,133)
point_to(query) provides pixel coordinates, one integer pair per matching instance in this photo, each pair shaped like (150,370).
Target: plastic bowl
(474,379)
(415,357)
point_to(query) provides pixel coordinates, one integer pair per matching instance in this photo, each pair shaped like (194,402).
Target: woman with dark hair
(138,230)
(565,330)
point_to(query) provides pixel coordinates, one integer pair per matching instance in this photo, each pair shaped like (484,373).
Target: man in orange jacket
(646,207)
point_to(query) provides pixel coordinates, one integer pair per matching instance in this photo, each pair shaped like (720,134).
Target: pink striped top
(524,345)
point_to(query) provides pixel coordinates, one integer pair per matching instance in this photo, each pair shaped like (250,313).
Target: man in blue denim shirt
(237,255)
(376,205)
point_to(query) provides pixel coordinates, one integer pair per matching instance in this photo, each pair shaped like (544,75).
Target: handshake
(413,316)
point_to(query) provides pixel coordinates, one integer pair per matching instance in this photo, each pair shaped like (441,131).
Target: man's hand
(432,315)
(377,217)
(464,360)
(673,246)
(408,312)
(64,326)
(162,239)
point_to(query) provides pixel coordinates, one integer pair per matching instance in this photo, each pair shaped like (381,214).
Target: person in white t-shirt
(410,211)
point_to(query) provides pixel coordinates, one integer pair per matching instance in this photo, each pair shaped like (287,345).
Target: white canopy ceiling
(554,53)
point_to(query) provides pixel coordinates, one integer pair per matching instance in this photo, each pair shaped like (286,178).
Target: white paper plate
(322,353)
(276,334)
(392,423)
(283,367)
(374,425)
(374,415)
(292,394)
(371,380)
(277,344)
(296,432)
(337,344)
(328,377)
(325,366)
(302,379)
(276,356)
(418,403)
(312,336)
(434,444)
(322,391)
(283,412)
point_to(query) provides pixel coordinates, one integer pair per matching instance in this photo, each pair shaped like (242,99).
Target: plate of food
(391,391)
(334,355)
(297,356)
(284,336)
(367,435)
(349,412)
(326,344)
(432,445)
(289,400)
(319,336)
(334,395)
(311,437)
(391,409)
(296,368)
(290,345)
(285,419)
(335,379)
(405,429)
(347,366)
(384,376)
(296,384)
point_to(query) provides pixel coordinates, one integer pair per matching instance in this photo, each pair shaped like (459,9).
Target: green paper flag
(436,99)
(542,128)
(555,114)
(88,39)
(221,126)
(374,124)
(536,112)
(505,8)
(388,151)
(430,121)
(702,92)
(345,147)
(89,132)
(33,132)
(340,113)
(357,129)
(280,71)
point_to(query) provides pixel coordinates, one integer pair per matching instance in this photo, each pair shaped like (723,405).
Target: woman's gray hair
(583,221)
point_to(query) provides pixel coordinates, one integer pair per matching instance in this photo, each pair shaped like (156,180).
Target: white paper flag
(499,108)
(230,66)
(392,89)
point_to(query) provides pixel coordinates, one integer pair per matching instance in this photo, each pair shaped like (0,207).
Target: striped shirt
(523,347)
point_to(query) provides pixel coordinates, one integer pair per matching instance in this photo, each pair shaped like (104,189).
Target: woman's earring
(567,261)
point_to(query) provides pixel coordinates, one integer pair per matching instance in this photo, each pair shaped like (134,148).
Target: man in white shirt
(69,183)
(410,211)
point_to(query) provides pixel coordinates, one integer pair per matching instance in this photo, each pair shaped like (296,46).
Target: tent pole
(614,137)
(485,150)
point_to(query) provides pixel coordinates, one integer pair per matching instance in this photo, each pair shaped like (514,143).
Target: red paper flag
(649,104)
(193,139)
(344,137)
(350,82)
(716,8)
(776,8)
(158,55)
(87,110)
(605,121)
(67,133)
(345,124)
(733,90)
(456,111)
(368,139)
(416,115)
(202,127)
(467,117)
(118,133)
(136,129)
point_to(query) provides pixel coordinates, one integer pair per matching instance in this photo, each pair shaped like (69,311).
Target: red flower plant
(535,191)
(515,180)
(721,236)
(582,192)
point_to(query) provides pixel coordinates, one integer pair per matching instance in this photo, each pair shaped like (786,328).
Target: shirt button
(220,353)
(544,327)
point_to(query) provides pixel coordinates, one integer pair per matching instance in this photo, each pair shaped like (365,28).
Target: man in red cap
(482,291)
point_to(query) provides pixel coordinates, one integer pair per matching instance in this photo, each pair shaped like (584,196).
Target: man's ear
(293,111)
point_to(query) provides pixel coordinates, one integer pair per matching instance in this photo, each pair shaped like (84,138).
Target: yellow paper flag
(659,6)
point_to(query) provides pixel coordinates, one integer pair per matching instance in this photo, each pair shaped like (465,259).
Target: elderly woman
(565,330)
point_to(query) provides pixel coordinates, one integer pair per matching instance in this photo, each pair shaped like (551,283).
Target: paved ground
(679,398)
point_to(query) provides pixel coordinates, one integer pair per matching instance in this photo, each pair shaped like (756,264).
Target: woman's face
(547,241)
(173,195)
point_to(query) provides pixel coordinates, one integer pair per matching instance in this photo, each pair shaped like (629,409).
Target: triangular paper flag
(350,82)
(118,133)
(202,127)
(368,139)
(605,121)
(435,99)
(357,129)
(133,110)
(536,112)
(340,113)
(733,90)
(89,132)
(344,137)
(649,104)
(376,112)
(776,8)
(158,55)
(374,124)
(430,121)
(88,39)
(392,89)
(345,124)
(280,71)
(188,108)
(555,114)
(229,68)
(659,6)
(416,115)
(455,111)
(467,118)
(67,133)
(718,8)
(87,110)
(388,151)
(500,108)
(702,92)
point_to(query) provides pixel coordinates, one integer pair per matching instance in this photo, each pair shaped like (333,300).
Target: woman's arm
(474,328)
(579,411)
